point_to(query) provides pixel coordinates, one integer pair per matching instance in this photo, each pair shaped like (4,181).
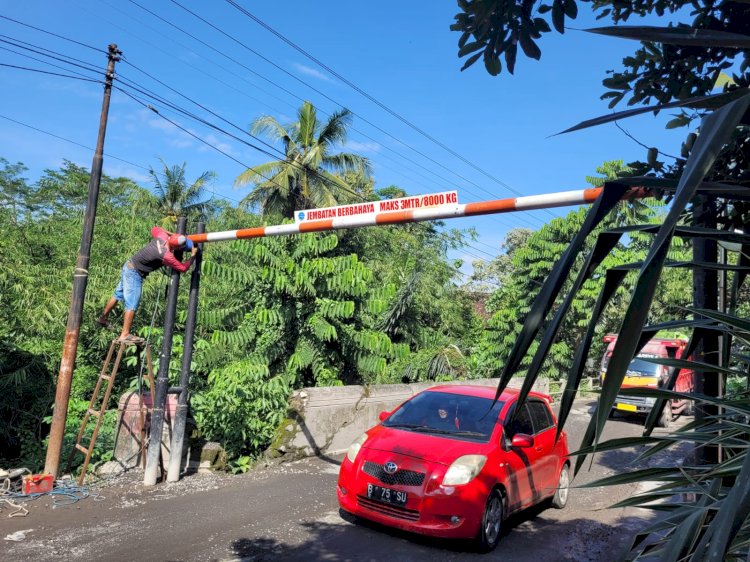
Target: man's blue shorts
(129,287)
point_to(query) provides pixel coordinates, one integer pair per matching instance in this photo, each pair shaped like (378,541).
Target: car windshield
(470,418)
(638,365)
(643,367)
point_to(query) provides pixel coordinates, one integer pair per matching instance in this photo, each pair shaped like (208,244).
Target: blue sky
(401,53)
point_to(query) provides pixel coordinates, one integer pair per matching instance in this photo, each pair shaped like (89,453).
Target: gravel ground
(289,512)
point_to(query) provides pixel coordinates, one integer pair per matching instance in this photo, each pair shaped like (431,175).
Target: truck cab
(643,373)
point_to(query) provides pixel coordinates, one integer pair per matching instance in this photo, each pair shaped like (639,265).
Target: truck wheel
(666,416)
(689,408)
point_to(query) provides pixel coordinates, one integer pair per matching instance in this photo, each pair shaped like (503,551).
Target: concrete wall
(326,420)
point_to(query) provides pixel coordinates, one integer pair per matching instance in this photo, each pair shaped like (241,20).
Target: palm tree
(175,198)
(309,176)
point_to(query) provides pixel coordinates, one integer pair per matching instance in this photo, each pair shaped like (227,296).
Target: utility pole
(80,280)
(153,455)
(705,295)
(180,416)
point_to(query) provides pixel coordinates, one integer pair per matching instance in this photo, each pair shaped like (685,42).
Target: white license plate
(386,495)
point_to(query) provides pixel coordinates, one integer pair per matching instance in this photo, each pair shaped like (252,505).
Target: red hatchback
(448,463)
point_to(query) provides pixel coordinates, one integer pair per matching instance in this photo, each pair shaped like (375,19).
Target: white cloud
(309,71)
(362,146)
(214,140)
(121,170)
(173,135)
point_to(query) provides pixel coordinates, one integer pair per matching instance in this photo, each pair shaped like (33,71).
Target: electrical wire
(53,65)
(219,150)
(316,90)
(59,56)
(519,218)
(444,236)
(54,34)
(68,140)
(369,97)
(50,73)
(257,100)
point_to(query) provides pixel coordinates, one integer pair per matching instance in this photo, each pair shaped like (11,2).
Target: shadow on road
(580,539)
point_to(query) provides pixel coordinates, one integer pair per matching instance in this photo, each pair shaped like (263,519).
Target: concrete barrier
(325,420)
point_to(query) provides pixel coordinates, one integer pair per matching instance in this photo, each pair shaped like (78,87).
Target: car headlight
(354,448)
(464,470)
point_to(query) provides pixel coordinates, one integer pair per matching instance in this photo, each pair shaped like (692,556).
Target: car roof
(476,390)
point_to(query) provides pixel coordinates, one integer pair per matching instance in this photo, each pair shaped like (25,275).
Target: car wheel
(560,499)
(492,522)
(666,416)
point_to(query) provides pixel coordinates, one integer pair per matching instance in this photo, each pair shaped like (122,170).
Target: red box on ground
(38,483)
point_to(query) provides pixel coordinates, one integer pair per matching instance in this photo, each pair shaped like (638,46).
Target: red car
(448,463)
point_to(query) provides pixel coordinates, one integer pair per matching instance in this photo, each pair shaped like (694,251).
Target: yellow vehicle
(643,373)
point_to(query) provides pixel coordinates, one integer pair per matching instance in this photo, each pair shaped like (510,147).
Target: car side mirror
(522,441)
(383,415)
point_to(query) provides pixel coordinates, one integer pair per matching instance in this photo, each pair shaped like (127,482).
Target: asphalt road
(289,512)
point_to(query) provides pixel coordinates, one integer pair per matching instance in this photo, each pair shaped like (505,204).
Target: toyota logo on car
(390,467)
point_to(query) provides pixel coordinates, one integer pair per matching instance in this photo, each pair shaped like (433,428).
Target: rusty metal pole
(180,418)
(80,280)
(153,455)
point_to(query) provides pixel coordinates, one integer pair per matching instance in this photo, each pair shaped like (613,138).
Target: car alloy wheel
(560,499)
(492,521)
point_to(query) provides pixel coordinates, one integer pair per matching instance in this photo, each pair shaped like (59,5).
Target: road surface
(289,512)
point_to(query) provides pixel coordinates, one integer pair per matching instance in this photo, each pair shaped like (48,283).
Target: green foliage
(675,63)
(530,263)
(275,313)
(682,62)
(175,198)
(105,439)
(307,177)
(242,406)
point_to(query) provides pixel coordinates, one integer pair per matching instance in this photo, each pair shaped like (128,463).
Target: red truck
(646,374)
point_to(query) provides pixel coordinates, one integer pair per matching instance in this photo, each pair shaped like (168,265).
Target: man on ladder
(157,253)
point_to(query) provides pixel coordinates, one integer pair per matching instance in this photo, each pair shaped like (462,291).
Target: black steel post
(80,280)
(162,379)
(705,295)
(178,432)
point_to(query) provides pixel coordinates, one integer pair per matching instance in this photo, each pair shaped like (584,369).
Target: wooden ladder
(109,375)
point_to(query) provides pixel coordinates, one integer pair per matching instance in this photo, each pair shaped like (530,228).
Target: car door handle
(538,449)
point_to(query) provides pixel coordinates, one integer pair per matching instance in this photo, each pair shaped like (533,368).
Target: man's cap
(180,242)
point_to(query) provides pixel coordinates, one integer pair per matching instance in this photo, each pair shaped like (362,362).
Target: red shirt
(156,254)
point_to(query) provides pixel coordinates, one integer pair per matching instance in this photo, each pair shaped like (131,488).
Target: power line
(55,35)
(68,140)
(51,73)
(44,61)
(60,56)
(442,235)
(369,97)
(278,67)
(237,62)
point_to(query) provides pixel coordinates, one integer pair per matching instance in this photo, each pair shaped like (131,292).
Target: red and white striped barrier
(531,202)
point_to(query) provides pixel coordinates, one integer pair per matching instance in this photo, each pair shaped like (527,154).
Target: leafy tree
(488,276)
(531,258)
(672,67)
(175,198)
(675,66)
(310,174)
